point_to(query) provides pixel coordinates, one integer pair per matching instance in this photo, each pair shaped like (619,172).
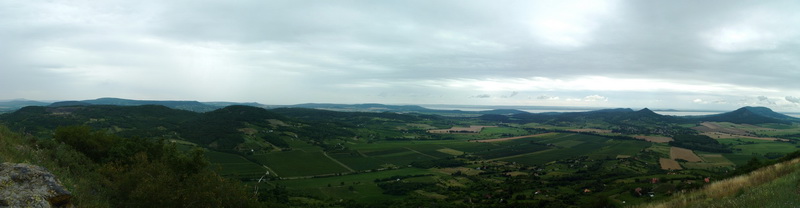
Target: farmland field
(588,144)
(669,164)
(470,129)
(757,147)
(365,189)
(299,163)
(234,165)
(710,161)
(511,138)
(685,154)
(656,139)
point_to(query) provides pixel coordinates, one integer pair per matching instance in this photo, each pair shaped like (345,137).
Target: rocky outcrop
(26,185)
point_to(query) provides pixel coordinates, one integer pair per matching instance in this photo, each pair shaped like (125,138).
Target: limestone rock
(26,185)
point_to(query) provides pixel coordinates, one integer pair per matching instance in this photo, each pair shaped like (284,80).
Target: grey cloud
(482,96)
(319,44)
(546,97)
(793,99)
(765,100)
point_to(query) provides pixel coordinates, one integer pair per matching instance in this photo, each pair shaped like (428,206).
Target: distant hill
(220,127)
(750,115)
(182,105)
(12,105)
(195,106)
(374,107)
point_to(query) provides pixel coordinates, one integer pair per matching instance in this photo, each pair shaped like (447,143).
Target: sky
(679,54)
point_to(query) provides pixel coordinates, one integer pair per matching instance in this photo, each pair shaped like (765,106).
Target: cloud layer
(672,54)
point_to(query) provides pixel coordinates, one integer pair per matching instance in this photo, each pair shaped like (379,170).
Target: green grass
(771,186)
(781,192)
(299,163)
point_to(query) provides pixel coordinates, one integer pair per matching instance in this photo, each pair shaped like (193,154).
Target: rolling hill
(750,115)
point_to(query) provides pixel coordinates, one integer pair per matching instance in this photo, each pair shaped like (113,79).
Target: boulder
(26,185)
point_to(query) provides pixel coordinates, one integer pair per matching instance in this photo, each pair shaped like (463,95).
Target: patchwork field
(573,145)
(711,161)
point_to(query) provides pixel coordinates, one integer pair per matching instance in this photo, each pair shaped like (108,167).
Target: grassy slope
(772,186)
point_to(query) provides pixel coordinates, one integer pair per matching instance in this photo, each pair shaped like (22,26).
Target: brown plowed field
(470,129)
(686,154)
(598,131)
(718,135)
(656,139)
(669,164)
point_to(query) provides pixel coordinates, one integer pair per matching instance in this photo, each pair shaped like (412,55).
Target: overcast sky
(659,54)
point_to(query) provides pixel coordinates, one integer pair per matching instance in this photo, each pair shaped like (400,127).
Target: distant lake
(796,115)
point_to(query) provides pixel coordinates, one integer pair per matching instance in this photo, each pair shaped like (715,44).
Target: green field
(299,163)
(297,144)
(579,145)
(234,165)
(612,148)
(365,190)
(746,149)
(502,132)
